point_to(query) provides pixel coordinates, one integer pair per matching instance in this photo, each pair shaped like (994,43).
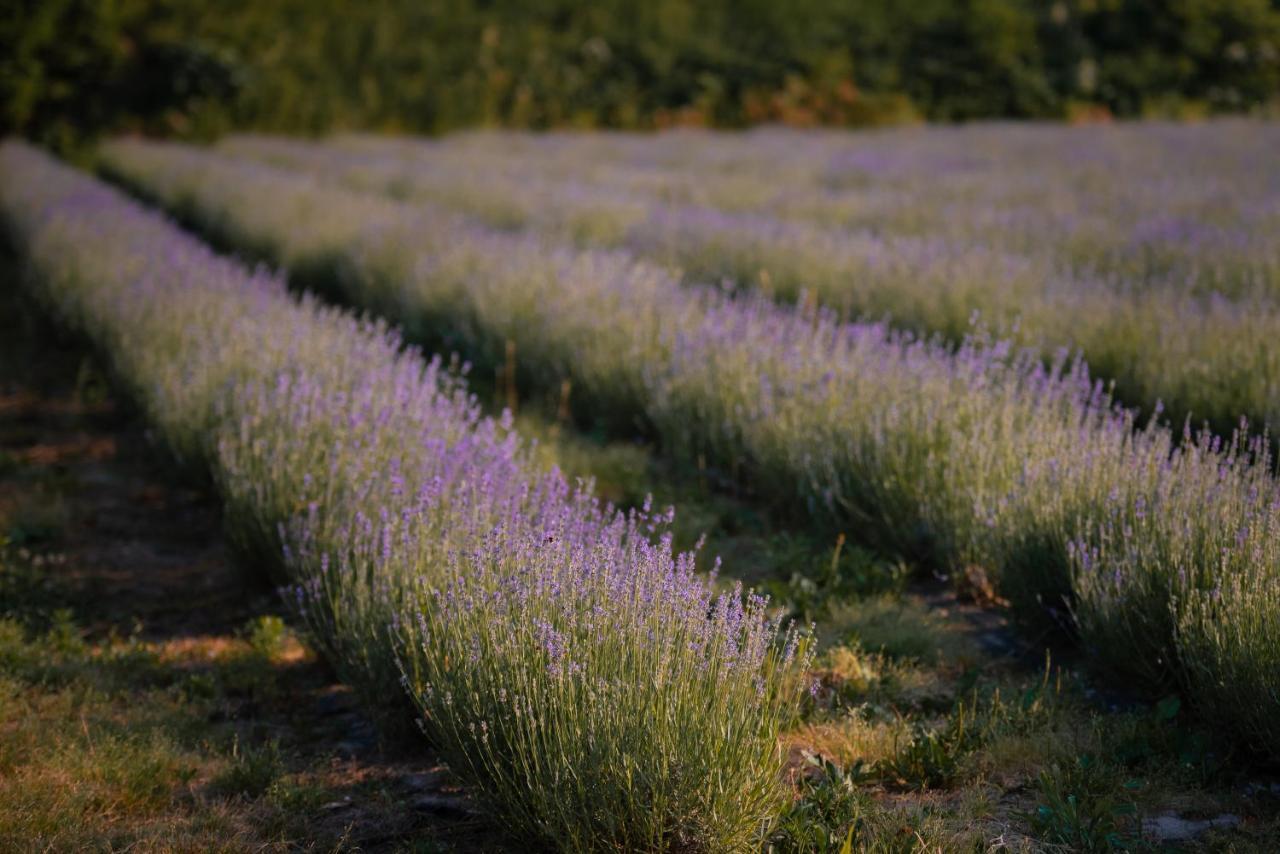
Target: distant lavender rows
(567,662)
(1147,201)
(1151,248)
(980,454)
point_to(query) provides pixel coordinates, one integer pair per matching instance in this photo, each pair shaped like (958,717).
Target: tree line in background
(73,68)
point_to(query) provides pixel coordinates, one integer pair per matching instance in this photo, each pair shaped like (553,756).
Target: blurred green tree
(72,68)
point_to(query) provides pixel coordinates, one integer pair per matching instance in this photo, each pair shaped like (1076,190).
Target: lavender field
(1027,372)
(1021,232)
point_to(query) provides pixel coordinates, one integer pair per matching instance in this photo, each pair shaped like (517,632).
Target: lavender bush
(595,690)
(980,454)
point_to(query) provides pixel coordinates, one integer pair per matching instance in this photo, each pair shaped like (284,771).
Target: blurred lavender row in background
(1148,248)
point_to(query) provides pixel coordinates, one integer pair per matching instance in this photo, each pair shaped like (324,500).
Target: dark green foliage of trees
(197,67)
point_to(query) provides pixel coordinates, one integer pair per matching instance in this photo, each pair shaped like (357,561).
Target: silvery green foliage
(595,690)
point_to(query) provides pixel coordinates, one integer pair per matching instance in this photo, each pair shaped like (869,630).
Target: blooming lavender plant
(597,692)
(986,453)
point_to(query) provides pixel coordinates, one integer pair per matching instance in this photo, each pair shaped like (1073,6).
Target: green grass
(185,744)
(104,745)
(954,750)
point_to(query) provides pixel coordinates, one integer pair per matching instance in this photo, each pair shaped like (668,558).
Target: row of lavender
(1167,552)
(1150,250)
(572,667)
(1172,205)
